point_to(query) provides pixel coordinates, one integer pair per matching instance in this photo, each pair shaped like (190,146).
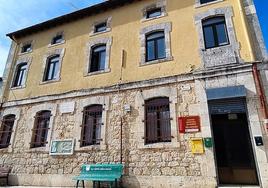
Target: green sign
(208,142)
(62,147)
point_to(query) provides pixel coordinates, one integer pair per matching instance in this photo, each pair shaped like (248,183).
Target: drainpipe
(261,94)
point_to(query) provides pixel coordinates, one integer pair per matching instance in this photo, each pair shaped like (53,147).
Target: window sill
(17,87)
(57,44)
(157,17)
(39,150)
(50,81)
(198,5)
(156,61)
(170,145)
(98,72)
(25,53)
(6,150)
(99,33)
(216,48)
(101,147)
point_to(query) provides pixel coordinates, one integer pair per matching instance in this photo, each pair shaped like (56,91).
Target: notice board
(62,147)
(189,124)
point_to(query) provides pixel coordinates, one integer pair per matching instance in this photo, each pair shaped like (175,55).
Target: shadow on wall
(131,182)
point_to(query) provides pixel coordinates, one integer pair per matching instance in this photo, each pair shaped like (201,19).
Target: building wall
(125,35)
(155,165)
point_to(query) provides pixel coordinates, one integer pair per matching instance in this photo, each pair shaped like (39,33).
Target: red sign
(189,124)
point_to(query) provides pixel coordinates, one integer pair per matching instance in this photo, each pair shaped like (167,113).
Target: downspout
(261,94)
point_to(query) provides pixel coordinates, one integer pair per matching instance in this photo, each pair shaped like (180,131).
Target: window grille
(6,130)
(157,121)
(91,126)
(40,130)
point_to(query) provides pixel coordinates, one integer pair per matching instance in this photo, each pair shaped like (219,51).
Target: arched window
(155,46)
(98,57)
(52,68)
(20,75)
(6,130)
(40,130)
(157,120)
(215,32)
(91,126)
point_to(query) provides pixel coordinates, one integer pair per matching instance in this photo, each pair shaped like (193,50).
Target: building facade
(176,91)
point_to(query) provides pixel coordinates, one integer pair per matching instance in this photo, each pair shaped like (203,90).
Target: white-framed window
(52,63)
(57,39)
(20,73)
(217,37)
(155,44)
(98,56)
(26,47)
(154,11)
(101,26)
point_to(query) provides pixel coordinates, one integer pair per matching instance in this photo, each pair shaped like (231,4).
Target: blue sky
(16,14)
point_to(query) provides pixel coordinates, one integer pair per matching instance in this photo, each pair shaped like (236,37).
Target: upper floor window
(155,46)
(20,75)
(6,130)
(100,27)
(215,32)
(98,56)
(91,126)
(40,130)
(157,121)
(154,13)
(26,48)
(206,1)
(52,68)
(57,39)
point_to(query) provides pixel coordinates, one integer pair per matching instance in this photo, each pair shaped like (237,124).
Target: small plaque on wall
(67,107)
(189,124)
(62,147)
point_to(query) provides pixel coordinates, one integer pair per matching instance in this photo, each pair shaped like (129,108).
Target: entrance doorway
(234,154)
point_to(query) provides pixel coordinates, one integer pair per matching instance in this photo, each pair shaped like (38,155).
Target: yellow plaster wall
(126,26)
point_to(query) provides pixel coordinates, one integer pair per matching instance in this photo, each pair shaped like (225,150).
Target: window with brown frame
(40,130)
(157,120)
(6,130)
(91,127)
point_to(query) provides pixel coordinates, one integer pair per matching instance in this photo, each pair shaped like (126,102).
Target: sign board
(189,124)
(62,147)
(197,146)
(67,107)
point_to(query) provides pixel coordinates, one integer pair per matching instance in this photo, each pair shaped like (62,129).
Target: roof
(95,9)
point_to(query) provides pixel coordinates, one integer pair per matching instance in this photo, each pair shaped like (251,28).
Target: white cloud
(3,57)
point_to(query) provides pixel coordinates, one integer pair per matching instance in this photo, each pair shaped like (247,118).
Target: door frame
(244,99)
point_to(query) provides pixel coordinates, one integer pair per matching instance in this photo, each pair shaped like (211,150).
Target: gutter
(261,94)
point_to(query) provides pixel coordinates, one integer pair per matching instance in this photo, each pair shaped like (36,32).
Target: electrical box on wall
(208,142)
(127,108)
(258,140)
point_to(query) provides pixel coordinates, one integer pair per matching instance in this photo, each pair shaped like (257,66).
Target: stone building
(175,90)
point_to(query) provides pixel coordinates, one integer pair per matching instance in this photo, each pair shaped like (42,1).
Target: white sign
(62,147)
(67,107)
